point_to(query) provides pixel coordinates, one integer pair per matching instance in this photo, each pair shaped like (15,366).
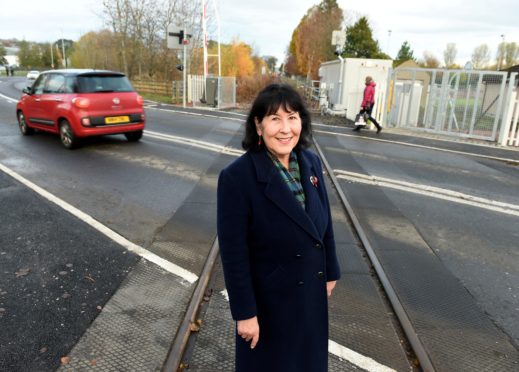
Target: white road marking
(344,353)
(9,99)
(431,191)
(199,114)
(166,265)
(196,143)
(513,161)
(355,358)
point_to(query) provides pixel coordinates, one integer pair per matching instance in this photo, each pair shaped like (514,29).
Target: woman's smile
(280,132)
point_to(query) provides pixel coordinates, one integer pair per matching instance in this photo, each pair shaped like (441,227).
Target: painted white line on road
(344,353)
(199,114)
(195,143)
(431,191)
(513,161)
(165,264)
(9,99)
(355,358)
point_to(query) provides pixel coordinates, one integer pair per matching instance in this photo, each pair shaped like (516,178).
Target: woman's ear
(258,126)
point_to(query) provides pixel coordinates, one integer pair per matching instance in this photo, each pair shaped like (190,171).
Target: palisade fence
(510,133)
(463,103)
(216,92)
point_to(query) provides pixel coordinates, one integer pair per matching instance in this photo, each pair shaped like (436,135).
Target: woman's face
(280,133)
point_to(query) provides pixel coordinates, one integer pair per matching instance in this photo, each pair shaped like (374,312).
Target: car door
(51,99)
(32,102)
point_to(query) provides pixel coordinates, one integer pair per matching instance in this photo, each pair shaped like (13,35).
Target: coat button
(320,275)
(318,245)
(301,283)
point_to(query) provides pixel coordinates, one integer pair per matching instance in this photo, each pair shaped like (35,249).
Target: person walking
(276,240)
(368,101)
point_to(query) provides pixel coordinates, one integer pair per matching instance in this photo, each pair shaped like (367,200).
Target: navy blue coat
(277,258)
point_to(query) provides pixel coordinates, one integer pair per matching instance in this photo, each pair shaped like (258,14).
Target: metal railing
(454,102)
(216,92)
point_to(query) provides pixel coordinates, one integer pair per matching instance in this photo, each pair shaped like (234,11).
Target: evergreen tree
(404,54)
(360,42)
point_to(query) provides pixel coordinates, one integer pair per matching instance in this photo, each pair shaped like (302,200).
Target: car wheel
(22,124)
(68,139)
(134,136)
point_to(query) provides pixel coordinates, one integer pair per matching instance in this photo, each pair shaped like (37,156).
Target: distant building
(12,56)
(509,71)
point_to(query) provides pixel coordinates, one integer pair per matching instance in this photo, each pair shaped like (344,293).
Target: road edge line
(121,240)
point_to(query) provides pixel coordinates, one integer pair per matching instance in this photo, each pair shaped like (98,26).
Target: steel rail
(414,341)
(178,346)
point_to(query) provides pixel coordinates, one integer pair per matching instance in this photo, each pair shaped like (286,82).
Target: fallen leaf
(193,327)
(89,278)
(93,362)
(22,272)
(65,360)
(99,308)
(43,350)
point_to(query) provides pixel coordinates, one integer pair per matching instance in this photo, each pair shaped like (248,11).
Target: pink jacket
(369,95)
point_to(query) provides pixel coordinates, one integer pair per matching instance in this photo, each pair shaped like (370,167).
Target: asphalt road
(136,189)
(478,245)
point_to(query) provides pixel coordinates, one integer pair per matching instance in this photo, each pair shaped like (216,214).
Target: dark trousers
(367,110)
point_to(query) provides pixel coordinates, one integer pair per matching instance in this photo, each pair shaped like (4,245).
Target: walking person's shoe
(379,129)
(357,128)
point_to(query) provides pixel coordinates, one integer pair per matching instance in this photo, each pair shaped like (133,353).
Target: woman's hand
(330,286)
(248,329)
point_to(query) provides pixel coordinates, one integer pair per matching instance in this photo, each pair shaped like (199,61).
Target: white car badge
(116,101)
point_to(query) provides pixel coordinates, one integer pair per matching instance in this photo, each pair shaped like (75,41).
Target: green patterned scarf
(292,176)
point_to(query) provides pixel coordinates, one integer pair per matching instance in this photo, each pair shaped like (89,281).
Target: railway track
(418,359)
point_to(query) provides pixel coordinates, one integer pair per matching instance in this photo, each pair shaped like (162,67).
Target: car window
(55,84)
(103,83)
(70,84)
(37,87)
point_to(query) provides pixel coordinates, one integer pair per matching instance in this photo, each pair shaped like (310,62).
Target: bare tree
(117,13)
(449,55)
(500,55)
(511,54)
(430,60)
(480,57)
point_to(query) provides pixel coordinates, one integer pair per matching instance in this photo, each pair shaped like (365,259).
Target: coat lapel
(278,192)
(313,204)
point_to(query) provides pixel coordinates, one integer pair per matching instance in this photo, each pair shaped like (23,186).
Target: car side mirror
(27,90)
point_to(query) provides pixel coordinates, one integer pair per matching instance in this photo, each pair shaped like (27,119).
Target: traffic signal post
(179,38)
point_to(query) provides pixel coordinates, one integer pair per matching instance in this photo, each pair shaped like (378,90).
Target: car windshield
(103,83)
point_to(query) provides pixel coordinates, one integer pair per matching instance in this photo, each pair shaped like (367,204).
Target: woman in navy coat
(276,240)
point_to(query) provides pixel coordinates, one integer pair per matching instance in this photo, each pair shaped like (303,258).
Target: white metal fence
(510,133)
(454,102)
(215,92)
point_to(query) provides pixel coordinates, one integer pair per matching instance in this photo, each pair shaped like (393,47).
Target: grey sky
(268,24)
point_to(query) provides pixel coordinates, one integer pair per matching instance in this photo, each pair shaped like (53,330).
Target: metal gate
(454,102)
(219,92)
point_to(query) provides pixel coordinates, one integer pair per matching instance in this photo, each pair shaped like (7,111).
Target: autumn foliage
(237,59)
(311,40)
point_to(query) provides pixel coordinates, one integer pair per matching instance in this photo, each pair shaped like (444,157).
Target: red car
(81,103)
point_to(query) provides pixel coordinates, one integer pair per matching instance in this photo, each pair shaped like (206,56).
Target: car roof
(84,72)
